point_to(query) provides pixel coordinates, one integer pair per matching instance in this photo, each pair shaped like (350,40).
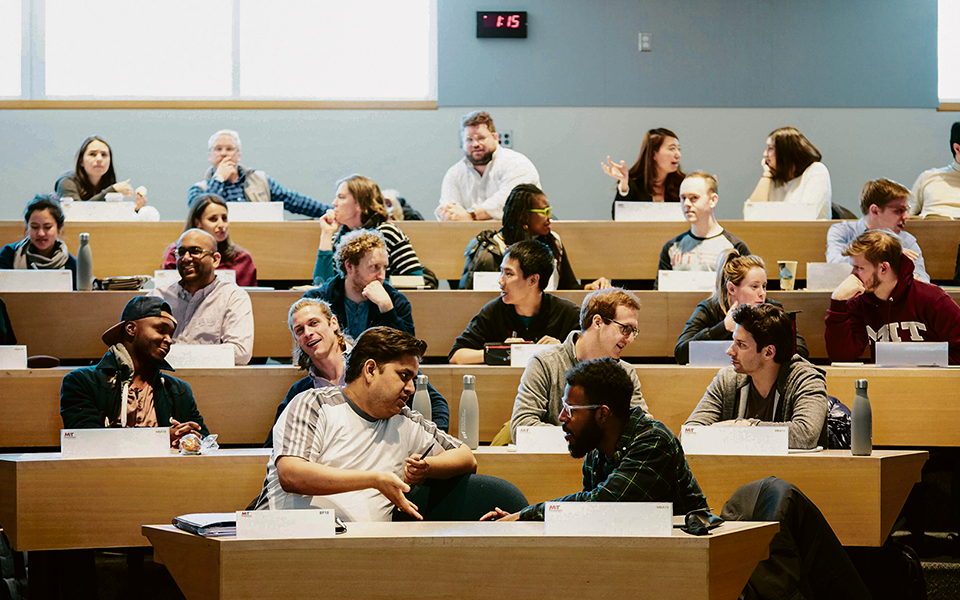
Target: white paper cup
(788,273)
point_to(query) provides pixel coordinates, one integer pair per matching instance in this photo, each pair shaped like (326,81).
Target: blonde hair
(300,357)
(733,268)
(604,303)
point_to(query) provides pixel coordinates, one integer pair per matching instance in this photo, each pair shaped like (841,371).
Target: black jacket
(497,321)
(90,398)
(706,325)
(334,293)
(7,338)
(485,253)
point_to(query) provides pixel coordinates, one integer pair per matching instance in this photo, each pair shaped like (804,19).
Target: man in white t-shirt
(477,186)
(358,449)
(937,191)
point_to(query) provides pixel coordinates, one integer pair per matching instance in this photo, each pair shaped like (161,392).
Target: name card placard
(201,356)
(608,519)
(36,280)
(98,212)
(647,211)
(255,212)
(164,277)
(407,282)
(13,357)
(686,281)
(709,353)
(912,354)
(826,277)
(127,442)
(520,354)
(779,211)
(739,441)
(544,439)
(285,524)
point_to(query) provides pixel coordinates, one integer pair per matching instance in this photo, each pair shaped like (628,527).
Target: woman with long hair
(740,280)
(656,176)
(792,172)
(209,213)
(527,215)
(93,176)
(41,247)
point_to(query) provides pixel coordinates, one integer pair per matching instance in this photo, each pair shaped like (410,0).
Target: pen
(424,454)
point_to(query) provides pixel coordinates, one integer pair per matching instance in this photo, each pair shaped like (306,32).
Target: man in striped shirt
(358,449)
(630,457)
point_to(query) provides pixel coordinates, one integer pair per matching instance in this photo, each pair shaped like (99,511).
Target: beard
(872,285)
(483,160)
(588,439)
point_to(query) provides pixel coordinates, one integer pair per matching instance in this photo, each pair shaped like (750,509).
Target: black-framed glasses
(194,251)
(626,330)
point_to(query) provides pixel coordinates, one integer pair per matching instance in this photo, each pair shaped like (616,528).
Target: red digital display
(511,24)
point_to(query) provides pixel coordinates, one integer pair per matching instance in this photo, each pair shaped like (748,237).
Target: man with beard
(767,384)
(477,186)
(630,457)
(881,301)
(126,388)
(358,295)
(209,310)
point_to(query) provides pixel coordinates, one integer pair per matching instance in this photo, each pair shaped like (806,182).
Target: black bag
(838,424)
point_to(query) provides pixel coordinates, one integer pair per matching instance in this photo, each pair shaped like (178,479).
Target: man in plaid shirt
(629,456)
(236,183)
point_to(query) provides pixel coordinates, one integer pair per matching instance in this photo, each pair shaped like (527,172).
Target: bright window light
(10,48)
(124,49)
(358,50)
(948,54)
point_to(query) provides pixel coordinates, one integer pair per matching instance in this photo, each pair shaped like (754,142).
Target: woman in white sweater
(792,172)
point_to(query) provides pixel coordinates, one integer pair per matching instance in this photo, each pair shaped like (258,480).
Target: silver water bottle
(469,422)
(421,398)
(84,264)
(862,422)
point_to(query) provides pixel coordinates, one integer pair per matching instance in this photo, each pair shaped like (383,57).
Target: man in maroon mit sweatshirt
(881,301)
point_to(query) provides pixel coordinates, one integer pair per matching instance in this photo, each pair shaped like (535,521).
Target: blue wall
(719,53)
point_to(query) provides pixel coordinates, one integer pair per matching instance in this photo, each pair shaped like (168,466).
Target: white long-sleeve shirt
(464,186)
(813,187)
(937,192)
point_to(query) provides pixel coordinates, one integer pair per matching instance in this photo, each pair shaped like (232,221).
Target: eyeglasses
(477,139)
(546,212)
(569,408)
(195,252)
(626,330)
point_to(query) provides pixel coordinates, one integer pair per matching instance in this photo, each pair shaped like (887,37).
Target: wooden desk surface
(462,560)
(595,247)
(240,404)
(40,318)
(860,496)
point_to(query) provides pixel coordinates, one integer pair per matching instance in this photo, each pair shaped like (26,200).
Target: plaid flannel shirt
(294,202)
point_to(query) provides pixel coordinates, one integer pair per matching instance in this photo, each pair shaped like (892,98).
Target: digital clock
(512,24)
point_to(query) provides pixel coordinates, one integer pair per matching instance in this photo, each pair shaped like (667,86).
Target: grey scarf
(26,256)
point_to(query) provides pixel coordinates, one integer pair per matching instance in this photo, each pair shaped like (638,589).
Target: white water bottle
(861,443)
(84,264)
(421,398)
(469,413)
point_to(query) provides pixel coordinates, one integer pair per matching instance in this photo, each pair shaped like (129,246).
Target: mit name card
(255,212)
(36,280)
(912,354)
(13,357)
(285,524)
(686,281)
(99,212)
(736,441)
(125,442)
(613,519)
(543,439)
(779,211)
(520,354)
(645,212)
(201,356)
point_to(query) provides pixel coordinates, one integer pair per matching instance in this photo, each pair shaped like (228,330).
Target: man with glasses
(207,309)
(236,183)
(698,248)
(767,383)
(523,311)
(628,456)
(477,186)
(608,322)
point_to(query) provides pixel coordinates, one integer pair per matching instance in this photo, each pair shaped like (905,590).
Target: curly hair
(604,382)
(353,246)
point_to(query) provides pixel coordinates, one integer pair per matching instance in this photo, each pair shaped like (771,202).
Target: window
(948,57)
(363,50)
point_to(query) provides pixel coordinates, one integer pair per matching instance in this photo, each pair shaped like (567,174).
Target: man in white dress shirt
(477,186)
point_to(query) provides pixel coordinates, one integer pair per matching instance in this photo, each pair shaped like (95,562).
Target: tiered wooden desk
(463,560)
(911,407)
(287,251)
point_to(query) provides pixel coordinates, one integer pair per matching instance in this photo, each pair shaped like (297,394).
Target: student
(209,213)
(655,177)
(740,280)
(42,247)
(360,205)
(476,187)
(93,176)
(526,216)
(936,193)
(698,248)
(767,384)
(792,172)
(523,311)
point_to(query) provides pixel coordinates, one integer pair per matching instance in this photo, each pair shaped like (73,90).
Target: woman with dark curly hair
(526,216)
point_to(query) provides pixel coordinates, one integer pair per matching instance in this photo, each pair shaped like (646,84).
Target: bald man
(208,310)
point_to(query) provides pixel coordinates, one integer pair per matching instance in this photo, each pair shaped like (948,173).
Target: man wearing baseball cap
(126,389)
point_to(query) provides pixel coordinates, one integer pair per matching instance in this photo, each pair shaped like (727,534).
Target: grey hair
(213,138)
